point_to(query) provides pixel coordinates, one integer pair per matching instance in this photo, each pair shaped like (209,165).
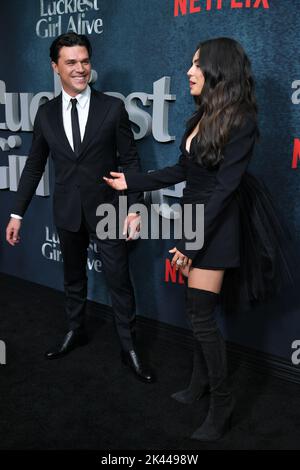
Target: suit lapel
(98,110)
(58,126)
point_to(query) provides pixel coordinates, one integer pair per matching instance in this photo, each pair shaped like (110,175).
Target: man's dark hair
(69,40)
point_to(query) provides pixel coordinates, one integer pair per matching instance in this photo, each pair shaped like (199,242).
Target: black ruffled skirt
(265,260)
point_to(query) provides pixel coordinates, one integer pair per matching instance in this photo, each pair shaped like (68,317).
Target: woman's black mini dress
(241,228)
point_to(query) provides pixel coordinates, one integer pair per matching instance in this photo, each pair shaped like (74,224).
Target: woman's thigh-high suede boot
(198,385)
(208,335)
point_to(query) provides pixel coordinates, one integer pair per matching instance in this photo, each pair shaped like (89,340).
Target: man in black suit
(88,133)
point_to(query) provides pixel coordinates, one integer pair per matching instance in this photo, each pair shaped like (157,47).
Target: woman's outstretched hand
(117,181)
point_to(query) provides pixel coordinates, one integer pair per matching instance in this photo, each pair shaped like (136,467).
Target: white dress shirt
(83,106)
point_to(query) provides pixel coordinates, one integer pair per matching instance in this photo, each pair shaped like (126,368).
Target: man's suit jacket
(107,144)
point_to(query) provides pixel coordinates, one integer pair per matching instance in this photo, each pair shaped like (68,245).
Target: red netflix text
(171,275)
(184,7)
(296,153)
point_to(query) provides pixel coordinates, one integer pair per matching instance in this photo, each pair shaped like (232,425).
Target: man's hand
(12,231)
(132,226)
(117,181)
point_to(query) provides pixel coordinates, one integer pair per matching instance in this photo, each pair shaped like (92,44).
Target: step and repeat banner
(142,50)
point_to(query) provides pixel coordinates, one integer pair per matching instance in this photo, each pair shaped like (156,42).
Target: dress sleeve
(237,154)
(157,179)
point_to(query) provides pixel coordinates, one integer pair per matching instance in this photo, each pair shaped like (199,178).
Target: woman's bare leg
(206,279)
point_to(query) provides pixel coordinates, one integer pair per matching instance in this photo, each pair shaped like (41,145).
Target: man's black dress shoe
(72,340)
(131,360)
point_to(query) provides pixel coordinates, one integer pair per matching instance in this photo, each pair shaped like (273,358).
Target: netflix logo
(296,154)
(296,100)
(171,275)
(185,7)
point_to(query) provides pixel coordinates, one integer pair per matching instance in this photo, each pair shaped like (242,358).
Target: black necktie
(75,127)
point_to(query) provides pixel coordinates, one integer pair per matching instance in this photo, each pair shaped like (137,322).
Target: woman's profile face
(196,77)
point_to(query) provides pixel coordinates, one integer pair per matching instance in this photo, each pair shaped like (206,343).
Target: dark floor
(88,400)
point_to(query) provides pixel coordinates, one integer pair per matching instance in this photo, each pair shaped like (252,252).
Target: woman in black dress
(215,152)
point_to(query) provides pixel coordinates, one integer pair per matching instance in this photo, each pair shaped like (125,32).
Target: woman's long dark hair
(226,99)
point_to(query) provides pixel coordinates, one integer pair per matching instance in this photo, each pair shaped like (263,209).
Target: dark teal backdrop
(141,42)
